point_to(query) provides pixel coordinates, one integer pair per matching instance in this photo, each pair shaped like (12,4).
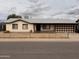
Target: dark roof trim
(16,21)
(54,23)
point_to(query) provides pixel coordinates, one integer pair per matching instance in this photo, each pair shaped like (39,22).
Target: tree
(36,8)
(13,16)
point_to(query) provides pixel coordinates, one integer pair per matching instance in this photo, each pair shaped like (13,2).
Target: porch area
(44,28)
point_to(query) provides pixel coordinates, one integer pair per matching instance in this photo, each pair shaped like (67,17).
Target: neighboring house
(40,25)
(2,26)
(77,27)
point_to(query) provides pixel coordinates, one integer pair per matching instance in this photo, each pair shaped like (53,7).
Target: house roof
(41,20)
(51,21)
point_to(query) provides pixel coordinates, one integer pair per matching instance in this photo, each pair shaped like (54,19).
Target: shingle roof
(51,21)
(42,20)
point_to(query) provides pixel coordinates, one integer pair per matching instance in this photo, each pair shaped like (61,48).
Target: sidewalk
(37,40)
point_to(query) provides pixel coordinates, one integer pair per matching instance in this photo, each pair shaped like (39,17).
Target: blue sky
(56,5)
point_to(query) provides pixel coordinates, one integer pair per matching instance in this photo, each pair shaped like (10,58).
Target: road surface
(39,50)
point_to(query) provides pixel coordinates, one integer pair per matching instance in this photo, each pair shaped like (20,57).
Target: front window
(46,26)
(25,26)
(14,26)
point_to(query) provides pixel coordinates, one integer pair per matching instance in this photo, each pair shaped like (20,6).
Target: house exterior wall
(49,27)
(9,27)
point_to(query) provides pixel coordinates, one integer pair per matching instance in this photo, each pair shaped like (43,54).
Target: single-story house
(40,25)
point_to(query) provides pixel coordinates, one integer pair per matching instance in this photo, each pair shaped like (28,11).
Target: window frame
(24,26)
(46,26)
(14,26)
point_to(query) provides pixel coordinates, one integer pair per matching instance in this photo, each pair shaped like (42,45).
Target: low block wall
(34,35)
(74,35)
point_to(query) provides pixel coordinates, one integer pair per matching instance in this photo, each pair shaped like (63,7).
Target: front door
(38,27)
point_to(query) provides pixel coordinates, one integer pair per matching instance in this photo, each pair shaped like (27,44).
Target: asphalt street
(39,50)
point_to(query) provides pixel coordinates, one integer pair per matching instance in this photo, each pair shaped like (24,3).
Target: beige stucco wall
(9,27)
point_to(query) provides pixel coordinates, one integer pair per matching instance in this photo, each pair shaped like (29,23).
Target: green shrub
(6,31)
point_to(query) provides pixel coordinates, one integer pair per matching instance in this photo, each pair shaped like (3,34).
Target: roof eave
(54,23)
(16,21)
